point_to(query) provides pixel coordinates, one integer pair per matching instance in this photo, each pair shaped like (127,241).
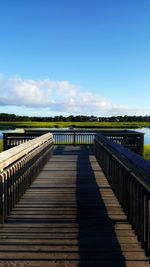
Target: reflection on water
(146,132)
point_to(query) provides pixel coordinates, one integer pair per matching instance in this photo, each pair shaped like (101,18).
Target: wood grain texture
(69,217)
(11,155)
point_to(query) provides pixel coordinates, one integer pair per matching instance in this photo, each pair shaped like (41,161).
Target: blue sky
(75,57)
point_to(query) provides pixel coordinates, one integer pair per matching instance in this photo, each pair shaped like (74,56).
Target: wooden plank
(69,263)
(64,248)
(70,217)
(97,255)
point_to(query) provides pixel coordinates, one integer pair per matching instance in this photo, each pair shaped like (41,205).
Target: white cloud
(58,96)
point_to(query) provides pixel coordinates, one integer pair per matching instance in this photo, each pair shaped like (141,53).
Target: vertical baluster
(12,187)
(9,176)
(78,138)
(2,192)
(19,178)
(147,243)
(142,217)
(6,177)
(67,141)
(74,138)
(56,139)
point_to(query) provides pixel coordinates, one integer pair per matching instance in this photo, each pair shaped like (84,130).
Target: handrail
(133,161)
(130,139)
(129,177)
(15,153)
(18,168)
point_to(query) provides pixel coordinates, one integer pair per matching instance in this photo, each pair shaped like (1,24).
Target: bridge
(71,205)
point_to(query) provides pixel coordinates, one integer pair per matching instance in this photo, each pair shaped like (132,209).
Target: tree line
(71,118)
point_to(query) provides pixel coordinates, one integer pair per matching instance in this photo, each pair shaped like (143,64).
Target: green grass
(76,124)
(1,145)
(147,152)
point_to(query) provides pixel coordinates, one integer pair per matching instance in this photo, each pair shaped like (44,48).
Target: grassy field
(1,145)
(147,152)
(76,124)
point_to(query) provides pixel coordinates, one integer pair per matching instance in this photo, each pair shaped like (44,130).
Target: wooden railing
(18,167)
(129,176)
(130,139)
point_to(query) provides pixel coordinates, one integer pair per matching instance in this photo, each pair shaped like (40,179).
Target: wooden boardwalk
(69,217)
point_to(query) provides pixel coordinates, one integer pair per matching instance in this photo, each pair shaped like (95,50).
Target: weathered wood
(130,139)
(62,263)
(18,167)
(70,218)
(15,153)
(129,176)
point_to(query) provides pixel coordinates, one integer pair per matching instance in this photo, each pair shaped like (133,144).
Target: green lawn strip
(75,124)
(147,152)
(1,145)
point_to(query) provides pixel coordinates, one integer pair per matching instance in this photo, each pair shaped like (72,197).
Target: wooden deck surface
(69,217)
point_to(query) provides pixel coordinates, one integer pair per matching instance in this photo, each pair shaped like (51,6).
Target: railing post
(141,152)
(4,141)
(148,225)
(2,198)
(74,138)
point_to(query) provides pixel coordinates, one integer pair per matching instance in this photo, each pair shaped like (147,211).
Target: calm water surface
(146,132)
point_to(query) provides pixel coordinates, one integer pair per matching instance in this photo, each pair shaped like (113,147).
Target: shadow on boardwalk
(98,244)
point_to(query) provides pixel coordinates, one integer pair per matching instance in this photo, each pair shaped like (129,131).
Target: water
(146,132)
(7,130)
